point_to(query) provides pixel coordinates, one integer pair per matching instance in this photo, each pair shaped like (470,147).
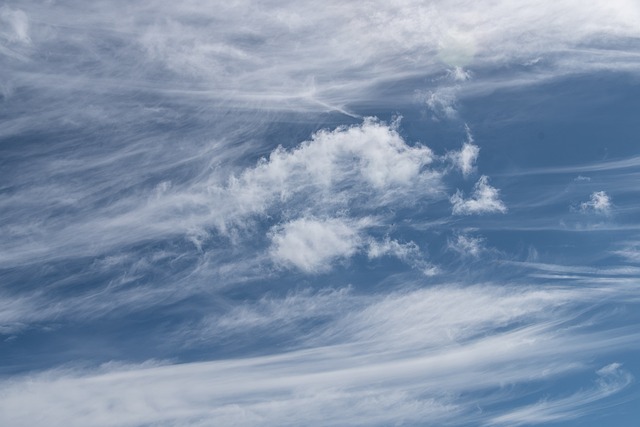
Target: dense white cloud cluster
(311,244)
(335,169)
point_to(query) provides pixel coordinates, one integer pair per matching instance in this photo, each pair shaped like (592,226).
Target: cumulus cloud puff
(599,203)
(311,245)
(485,199)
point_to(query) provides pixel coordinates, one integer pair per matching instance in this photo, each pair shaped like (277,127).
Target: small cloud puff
(599,203)
(466,245)
(388,247)
(465,159)
(311,245)
(442,102)
(335,168)
(408,253)
(485,199)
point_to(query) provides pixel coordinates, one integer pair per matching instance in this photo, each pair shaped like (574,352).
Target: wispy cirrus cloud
(611,379)
(299,56)
(462,357)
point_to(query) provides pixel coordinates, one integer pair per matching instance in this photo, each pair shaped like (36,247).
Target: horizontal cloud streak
(458,357)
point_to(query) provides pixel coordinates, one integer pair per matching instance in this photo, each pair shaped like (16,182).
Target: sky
(296,213)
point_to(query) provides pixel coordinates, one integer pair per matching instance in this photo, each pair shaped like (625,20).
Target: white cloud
(611,379)
(467,245)
(485,199)
(438,354)
(408,252)
(600,203)
(442,101)
(299,56)
(311,245)
(386,247)
(465,159)
(359,168)
(630,251)
(271,316)
(345,37)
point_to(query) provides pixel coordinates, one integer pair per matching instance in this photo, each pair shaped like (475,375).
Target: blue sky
(299,213)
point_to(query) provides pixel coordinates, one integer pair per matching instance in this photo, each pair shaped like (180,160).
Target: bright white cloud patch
(368,164)
(599,203)
(485,199)
(311,245)
(364,167)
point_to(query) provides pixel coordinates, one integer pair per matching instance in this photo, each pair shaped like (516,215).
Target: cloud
(361,168)
(600,203)
(297,56)
(611,379)
(16,27)
(436,353)
(485,199)
(311,245)
(442,102)
(131,184)
(337,168)
(386,247)
(466,245)
(466,158)
(409,252)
